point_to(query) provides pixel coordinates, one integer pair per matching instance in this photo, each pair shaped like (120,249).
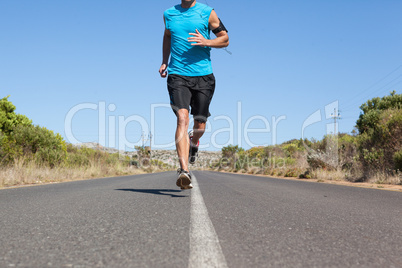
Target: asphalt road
(227,220)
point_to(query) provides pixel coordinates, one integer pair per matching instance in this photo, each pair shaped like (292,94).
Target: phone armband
(220,28)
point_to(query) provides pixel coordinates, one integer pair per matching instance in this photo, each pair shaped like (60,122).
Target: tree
(9,119)
(20,138)
(380,128)
(372,109)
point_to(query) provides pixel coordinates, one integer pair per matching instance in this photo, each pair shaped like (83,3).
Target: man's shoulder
(177,8)
(203,6)
(172,10)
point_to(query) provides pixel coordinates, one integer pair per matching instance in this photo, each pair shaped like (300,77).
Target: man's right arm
(166,52)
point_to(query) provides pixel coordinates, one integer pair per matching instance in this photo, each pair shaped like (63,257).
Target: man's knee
(199,119)
(199,125)
(182,117)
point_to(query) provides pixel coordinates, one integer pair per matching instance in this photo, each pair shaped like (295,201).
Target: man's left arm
(222,37)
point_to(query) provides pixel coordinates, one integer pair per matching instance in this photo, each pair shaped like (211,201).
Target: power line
(376,83)
(367,91)
(376,88)
(360,102)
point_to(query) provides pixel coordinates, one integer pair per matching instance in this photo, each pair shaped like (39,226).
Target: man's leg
(198,131)
(180,99)
(182,141)
(201,99)
(195,135)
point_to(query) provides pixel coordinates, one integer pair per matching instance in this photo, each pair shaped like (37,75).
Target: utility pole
(335,116)
(143,139)
(150,145)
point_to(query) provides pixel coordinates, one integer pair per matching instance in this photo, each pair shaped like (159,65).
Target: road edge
(367,185)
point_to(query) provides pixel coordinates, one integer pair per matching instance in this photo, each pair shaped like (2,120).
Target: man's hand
(162,70)
(198,40)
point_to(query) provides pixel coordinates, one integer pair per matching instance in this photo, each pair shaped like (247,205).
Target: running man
(191,82)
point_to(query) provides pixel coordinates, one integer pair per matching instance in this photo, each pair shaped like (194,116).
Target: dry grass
(27,172)
(380,178)
(328,175)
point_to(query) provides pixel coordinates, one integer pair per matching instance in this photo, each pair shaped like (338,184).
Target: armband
(220,28)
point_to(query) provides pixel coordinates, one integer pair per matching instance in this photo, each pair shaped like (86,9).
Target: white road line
(205,250)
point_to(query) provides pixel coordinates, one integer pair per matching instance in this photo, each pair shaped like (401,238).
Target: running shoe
(193,149)
(184,179)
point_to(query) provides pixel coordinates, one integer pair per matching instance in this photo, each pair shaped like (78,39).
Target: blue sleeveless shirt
(186,59)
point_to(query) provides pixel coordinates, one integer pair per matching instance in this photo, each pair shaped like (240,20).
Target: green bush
(291,173)
(32,143)
(255,152)
(43,145)
(290,149)
(19,139)
(230,151)
(76,157)
(348,149)
(84,157)
(113,159)
(379,145)
(398,160)
(8,150)
(233,157)
(305,175)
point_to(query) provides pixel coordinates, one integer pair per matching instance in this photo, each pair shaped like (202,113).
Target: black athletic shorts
(195,92)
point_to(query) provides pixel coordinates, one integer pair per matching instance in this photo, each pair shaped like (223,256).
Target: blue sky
(88,69)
